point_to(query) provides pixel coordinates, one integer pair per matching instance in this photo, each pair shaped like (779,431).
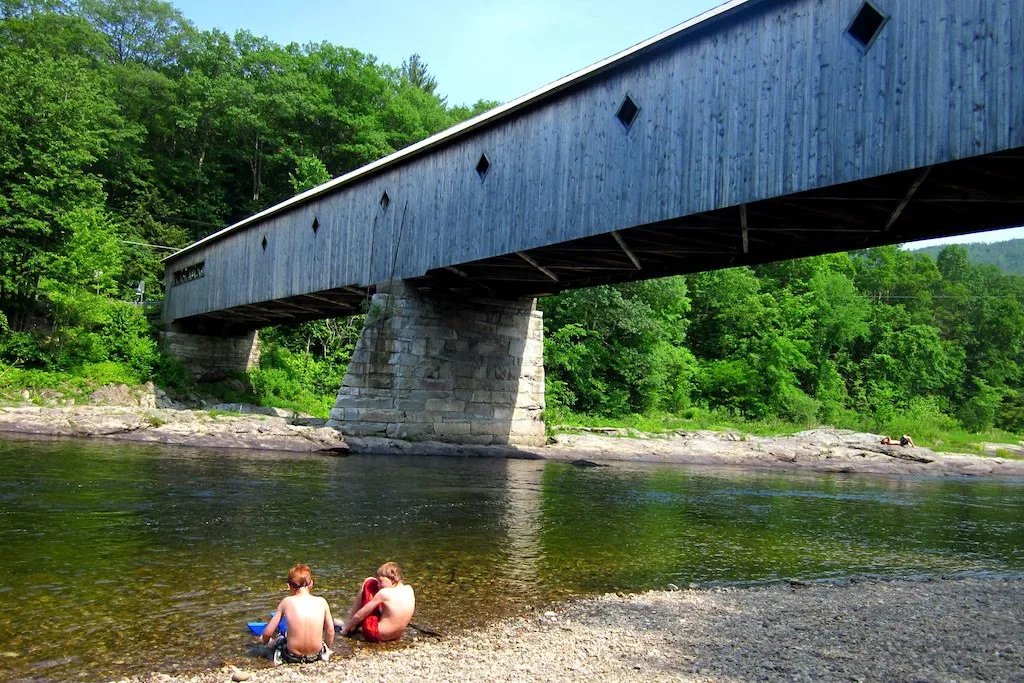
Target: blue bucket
(256,627)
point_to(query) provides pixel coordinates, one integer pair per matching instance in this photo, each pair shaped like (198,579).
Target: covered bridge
(758,131)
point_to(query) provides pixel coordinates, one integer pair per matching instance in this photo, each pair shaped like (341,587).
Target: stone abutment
(207,356)
(467,371)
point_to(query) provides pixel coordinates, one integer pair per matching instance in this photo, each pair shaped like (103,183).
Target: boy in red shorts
(383,607)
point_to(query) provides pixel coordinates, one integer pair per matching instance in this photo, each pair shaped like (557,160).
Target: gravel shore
(939,630)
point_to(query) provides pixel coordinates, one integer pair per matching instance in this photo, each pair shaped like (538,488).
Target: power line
(145,244)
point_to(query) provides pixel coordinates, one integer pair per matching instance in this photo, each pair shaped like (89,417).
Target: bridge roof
(488,118)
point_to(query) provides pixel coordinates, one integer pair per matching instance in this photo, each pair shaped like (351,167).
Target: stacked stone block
(207,356)
(467,371)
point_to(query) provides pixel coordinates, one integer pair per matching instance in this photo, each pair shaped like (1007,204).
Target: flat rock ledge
(868,630)
(179,427)
(251,427)
(818,450)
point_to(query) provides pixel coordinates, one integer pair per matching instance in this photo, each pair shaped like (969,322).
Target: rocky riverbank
(253,427)
(942,630)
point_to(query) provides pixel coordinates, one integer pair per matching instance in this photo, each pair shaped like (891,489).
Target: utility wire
(146,244)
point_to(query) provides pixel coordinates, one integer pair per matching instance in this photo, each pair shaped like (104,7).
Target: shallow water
(118,559)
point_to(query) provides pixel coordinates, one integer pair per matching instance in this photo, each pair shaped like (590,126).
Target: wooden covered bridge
(761,130)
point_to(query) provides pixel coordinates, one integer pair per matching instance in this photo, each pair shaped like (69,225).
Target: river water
(118,559)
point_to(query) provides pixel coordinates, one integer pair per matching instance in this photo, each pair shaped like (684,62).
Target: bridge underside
(971,195)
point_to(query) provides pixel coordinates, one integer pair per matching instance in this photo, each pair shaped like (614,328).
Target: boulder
(250,409)
(114,395)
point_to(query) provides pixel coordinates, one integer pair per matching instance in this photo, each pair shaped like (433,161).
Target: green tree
(309,172)
(609,349)
(144,31)
(414,72)
(56,123)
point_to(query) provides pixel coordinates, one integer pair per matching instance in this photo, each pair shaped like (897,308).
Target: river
(120,559)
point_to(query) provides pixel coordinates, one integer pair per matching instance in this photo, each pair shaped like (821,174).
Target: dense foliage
(1008,256)
(122,126)
(858,338)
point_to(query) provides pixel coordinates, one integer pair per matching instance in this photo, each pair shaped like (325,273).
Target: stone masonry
(206,356)
(467,371)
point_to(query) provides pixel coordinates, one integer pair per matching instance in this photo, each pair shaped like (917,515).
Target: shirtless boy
(383,607)
(310,626)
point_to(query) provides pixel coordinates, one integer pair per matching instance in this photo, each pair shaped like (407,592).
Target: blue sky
(479,49)
(476,49)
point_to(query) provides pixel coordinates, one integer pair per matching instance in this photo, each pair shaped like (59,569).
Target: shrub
(128,337)
(109,372)
(171,373)
(978,413)
(22,347)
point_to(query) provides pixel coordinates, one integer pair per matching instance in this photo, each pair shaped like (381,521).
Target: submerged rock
(580,462)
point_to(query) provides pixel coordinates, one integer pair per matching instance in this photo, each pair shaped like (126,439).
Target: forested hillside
(123,127)
(866,338)
(1008,256)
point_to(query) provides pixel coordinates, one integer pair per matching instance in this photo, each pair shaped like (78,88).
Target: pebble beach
(965,629)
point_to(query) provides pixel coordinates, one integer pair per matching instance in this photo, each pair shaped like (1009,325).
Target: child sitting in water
(310,626)
(383,607)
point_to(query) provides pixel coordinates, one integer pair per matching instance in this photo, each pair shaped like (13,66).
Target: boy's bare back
(398,603)
(383,606)
(309,623)
(308,617)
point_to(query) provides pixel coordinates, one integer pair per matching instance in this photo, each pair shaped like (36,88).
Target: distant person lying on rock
(905,440)
(383,607)
(310,626)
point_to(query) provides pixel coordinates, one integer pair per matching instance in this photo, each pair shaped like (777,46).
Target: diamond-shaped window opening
(627,112)
(483,166)
(316,224)
(385,201)
(866,26)
(264,243)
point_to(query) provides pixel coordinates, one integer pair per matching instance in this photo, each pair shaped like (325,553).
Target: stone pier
(212,356)
(468,371)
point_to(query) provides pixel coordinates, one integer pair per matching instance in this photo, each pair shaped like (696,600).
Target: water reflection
(522,524)
(129,559)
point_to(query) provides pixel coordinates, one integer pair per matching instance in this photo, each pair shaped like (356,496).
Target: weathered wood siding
(772,99)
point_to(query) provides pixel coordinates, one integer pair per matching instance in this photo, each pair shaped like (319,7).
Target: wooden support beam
(328,300)
(233,315)
(581,269)
(536,265)
(293,305)
(826,229)
(463,274)
(839,217)
(906,200)
(630,254)
(743,227)
(967,200)
(264,312)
